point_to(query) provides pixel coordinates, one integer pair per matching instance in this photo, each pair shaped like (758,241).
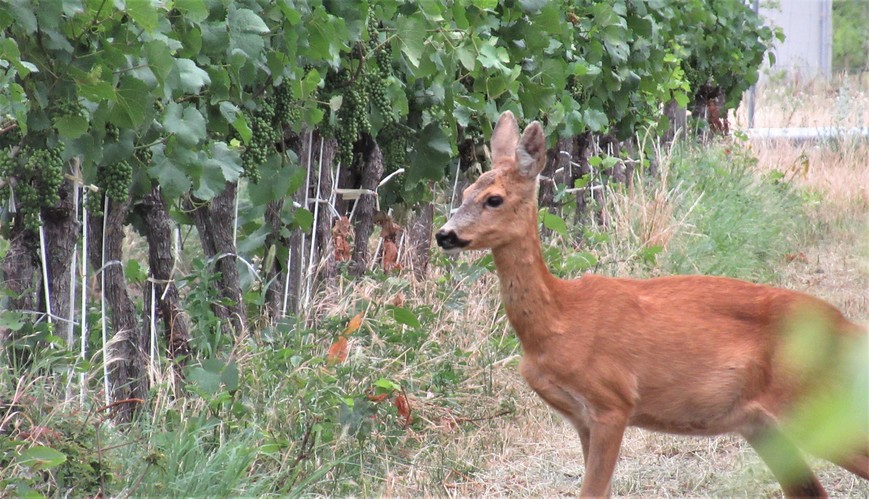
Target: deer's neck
(526,287)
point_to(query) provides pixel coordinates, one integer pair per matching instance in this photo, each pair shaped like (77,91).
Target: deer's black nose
(447,239)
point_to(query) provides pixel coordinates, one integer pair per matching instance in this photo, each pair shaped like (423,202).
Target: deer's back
(690,354)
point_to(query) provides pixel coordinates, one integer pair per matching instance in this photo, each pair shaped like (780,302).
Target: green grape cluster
(377,94)
(67,107)
(33,180)
(393,141)
(112,132)
(115,180)
(352,121)
(144,155)
(264,136)
(578,91)
(375,82)
(287,110)
(382,51)
(94,203)
(362,88)
(7,165)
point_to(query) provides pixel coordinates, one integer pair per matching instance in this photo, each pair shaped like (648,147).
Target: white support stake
(307,187)
(310,280)
(84,292)
(103,303)
(70,330)
(44,259)
(287,282)
(153,349)
(235,220)
(300,287)
(455,183)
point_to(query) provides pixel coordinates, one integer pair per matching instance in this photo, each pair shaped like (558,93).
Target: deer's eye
(494,201)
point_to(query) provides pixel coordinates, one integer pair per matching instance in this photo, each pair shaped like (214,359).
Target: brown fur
(693,355)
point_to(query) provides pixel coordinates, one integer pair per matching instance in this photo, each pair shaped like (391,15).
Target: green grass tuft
(738,225)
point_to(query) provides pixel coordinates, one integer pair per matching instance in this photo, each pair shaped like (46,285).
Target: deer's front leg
(605,439)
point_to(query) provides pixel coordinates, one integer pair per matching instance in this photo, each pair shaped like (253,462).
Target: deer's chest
(547,384)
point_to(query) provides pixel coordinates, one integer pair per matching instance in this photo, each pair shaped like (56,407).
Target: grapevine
(364,88)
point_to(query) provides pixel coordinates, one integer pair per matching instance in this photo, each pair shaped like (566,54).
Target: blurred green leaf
(404,316)
(41,458)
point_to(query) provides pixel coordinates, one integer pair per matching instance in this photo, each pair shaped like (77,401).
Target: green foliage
(850,35)
(207,337)
(722,43)
(190,78)
(831,421)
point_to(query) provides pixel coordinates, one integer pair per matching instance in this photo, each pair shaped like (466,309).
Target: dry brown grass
(835,171)
(841,102)
(534,453)
(834,175)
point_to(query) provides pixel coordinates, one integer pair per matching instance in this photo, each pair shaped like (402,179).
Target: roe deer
(694,355)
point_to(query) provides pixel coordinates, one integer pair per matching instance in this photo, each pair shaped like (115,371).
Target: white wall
(808,27)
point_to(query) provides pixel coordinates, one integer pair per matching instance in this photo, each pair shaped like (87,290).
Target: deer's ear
(504,138)
(531,153)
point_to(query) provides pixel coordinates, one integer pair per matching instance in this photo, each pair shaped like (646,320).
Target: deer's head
(498,207)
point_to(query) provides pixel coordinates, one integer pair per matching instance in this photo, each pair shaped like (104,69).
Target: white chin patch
(453,251)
